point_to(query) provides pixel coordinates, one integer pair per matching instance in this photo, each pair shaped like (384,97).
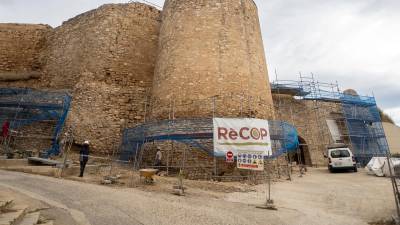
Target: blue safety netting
(22,107)
(365,127)
(199,134)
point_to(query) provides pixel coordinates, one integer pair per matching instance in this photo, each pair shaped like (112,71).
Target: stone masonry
(105,58)
(309,118)
(20,47)
(211,49)
(124,63)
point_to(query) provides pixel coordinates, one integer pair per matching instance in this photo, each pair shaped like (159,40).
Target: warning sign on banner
(230,157)
(250,160)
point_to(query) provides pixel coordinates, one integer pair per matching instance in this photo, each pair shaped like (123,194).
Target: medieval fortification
(127,64)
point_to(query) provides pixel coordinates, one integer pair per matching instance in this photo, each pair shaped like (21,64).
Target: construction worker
(5,129)
(158,158)
(5,132)
(84,157)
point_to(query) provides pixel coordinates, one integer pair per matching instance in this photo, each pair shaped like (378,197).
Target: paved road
(318,198)
(108,206)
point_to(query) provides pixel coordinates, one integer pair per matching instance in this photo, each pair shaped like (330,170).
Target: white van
(341,159)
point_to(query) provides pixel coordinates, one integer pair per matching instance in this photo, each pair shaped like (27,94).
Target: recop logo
(241,134)
(244,133)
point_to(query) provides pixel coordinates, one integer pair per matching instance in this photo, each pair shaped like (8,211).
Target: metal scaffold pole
(67,145)
(215,158)
(269,202)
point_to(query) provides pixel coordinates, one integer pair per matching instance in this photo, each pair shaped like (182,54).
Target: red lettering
(233,134)
(242,135)
(264,133)
(222,132)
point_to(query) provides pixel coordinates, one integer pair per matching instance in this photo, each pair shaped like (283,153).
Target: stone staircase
(12,214)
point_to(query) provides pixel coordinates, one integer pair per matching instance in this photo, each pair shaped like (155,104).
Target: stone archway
(302,154)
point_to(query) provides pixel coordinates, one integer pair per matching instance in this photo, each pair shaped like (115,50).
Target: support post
(269,202)
(215,158)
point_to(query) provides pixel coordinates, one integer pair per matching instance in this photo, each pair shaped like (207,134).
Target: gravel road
(318,198)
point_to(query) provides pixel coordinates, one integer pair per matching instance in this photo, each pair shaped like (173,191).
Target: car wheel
(330,169)
(355,169)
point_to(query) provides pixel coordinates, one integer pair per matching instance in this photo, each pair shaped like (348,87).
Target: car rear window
(340,153)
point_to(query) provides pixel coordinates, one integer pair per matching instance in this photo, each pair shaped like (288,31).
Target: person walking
(157,163)
(84,157)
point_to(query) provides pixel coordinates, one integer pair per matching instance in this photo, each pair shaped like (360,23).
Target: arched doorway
(302,154)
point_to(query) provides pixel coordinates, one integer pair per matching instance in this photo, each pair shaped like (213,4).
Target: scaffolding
(33,115)
(365,127)
(321,100)
(357,118)
(198,133)
(187,145)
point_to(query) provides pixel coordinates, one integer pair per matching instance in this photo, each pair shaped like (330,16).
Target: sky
(353,42)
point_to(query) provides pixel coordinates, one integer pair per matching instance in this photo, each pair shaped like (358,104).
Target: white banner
(241,134)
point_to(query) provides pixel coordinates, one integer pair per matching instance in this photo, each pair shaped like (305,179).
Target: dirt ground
(319,198)
(343,198)
(59,216)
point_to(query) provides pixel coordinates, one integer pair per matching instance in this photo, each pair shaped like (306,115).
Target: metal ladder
(395,180)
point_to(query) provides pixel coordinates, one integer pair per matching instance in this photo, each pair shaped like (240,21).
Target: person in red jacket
(6,129)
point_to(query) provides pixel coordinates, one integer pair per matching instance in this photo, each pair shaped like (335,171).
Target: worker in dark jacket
(84,157)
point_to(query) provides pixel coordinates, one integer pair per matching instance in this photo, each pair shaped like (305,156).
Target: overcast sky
(354,42)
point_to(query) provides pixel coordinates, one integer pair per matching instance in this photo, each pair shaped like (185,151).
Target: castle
(128,64)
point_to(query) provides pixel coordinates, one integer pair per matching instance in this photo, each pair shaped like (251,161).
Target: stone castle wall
(20,66)
(309,118)
(20,47)
(206,49)
(105,58)
(117,43)
(206,59)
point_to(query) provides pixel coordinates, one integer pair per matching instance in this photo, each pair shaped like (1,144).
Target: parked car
(341,159)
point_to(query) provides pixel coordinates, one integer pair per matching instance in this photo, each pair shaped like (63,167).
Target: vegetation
(385,117)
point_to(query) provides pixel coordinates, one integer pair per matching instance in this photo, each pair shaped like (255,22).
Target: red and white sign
(230,157)
(241,134)
(250,160)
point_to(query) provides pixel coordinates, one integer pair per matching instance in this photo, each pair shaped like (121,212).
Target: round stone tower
(211,61)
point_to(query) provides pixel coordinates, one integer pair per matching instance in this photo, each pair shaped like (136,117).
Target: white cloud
(394,113)
(354,42)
